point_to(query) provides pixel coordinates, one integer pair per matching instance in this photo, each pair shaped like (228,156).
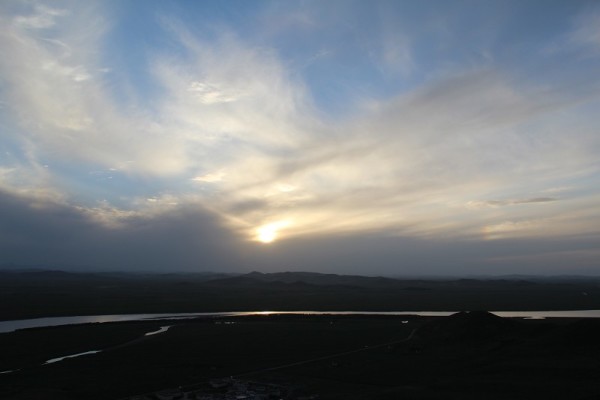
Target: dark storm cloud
(47,233)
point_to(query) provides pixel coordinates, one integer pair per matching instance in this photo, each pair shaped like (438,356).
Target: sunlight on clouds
(210,178)
(286,188)
(234,129)
(231,93)
(510,229)
(107,215)
(270,232)
(578,219)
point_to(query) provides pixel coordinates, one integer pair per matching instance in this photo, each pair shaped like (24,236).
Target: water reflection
(161,330)
(53,360)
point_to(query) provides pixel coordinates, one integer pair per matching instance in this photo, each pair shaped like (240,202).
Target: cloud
(61,100)
(210,178)
(58,234)
(43,17)
(503,203)
(511,229)
(411,160)
(212,94)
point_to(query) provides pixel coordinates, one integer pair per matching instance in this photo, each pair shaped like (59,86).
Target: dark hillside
(469,326)
(55,293)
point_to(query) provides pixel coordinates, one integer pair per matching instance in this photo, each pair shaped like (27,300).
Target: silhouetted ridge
(315,278)
(243,280)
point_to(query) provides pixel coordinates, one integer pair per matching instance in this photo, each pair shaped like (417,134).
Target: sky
(354,137)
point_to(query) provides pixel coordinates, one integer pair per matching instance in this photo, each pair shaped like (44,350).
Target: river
(11,326)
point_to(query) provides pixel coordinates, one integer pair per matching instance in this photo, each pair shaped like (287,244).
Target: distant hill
(314,278)
(44,273)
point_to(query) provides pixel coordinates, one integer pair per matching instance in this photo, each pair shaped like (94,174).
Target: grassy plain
(187,353)
(447,357)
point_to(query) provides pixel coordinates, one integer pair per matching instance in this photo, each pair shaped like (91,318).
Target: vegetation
(464,356)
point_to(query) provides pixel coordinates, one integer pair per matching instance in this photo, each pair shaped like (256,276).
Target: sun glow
(269,233)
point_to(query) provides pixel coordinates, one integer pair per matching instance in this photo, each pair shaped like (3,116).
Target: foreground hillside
(473,355)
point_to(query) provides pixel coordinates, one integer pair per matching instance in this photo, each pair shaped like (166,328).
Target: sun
(268,233)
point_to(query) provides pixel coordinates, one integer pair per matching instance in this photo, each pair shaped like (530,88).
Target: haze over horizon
(369,138)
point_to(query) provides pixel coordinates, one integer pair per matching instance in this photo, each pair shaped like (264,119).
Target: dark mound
(468,326)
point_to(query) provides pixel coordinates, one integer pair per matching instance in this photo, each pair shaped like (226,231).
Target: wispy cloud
(42,17)
(586,30)
(509,202)
(210,178)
